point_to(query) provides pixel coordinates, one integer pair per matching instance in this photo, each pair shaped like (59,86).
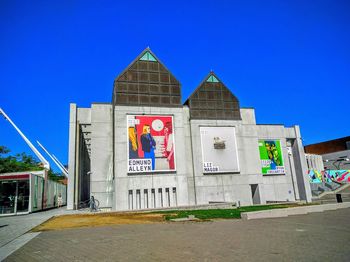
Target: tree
(21,162)
(4,150)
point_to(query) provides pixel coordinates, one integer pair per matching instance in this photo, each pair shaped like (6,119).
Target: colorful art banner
(151,145)
(340,176)
(271,157)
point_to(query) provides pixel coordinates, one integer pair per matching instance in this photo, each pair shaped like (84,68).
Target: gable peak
(148,56)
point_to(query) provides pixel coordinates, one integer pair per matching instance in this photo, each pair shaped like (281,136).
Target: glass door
(22,196)
(8,197)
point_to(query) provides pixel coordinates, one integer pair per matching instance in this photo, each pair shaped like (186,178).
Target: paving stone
(13,229)
(296,238)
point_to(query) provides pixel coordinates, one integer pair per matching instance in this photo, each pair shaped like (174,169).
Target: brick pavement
(313,237)
(13,227)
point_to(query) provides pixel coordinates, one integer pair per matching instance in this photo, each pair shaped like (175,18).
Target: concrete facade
(335,153)
(98,160)
(314,162)
(188,185)
(337,160)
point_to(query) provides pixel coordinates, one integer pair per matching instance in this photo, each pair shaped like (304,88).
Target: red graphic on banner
(151,143)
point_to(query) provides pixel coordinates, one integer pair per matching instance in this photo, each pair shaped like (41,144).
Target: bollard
(339,199)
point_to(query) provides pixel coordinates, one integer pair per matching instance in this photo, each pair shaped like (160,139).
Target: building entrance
(255,194)
(14,196)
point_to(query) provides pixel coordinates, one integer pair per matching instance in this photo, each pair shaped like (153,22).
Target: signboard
(271,157)
(219,149)
(151,145)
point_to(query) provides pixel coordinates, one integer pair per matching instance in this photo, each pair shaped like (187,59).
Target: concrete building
(335,153)
(314,162)
(147,150)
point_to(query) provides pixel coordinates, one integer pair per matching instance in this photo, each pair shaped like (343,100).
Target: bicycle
(92,204)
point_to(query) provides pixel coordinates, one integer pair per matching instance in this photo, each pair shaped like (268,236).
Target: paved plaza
(13,228)
(314,237)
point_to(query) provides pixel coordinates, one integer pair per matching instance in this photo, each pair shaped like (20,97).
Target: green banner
(271,157)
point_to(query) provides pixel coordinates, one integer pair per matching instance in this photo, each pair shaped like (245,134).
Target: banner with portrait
(271,157)
(151,143)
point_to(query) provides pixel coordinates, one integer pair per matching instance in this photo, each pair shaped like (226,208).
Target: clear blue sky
(290,60)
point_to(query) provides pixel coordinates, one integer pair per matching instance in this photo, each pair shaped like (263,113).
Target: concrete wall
(71,155)
(248,116)
(79,162)
(330,163)
(314,162)
(301,167)
(278,187)
(130,188)
(228,187)
(188,185)
(101,176)
(237,186)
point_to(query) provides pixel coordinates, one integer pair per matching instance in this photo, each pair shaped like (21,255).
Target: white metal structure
(32,147)
(55,160)
(59,162)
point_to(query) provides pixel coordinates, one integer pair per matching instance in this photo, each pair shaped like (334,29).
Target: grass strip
(205,214)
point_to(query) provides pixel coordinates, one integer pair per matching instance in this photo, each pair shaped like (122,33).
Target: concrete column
(146,200)
(293,175)
(71,155)
(167,197)
(171,196)
(130,203)
(77,167)
(153,203)
(159,197)
(101,179)
(134,201)
(301,167)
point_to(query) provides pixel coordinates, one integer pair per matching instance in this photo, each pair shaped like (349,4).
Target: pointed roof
(147,82)
(148,56)
(213,100)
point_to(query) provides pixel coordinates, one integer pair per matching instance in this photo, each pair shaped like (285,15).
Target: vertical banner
(151,143)
(271,157)
(219,149)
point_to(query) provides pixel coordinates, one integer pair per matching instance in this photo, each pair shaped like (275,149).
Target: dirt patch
(96,220)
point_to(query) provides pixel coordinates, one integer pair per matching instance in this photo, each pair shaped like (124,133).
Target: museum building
(147,150)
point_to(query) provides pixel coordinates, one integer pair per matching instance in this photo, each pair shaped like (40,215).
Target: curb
(15,244)
(284,212)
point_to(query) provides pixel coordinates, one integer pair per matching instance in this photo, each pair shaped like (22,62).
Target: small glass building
(28,191)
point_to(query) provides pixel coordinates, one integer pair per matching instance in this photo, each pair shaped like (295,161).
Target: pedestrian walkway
(313,237)
(13,227)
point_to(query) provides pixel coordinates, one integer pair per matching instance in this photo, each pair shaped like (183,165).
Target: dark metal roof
(330,146)
(213,100)
(147,83)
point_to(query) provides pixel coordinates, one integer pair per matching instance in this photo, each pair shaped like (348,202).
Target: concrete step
(284,212)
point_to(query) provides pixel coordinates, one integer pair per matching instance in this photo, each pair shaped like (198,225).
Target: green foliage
(17,163)
(55,176)
(21,162)
(4,150)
